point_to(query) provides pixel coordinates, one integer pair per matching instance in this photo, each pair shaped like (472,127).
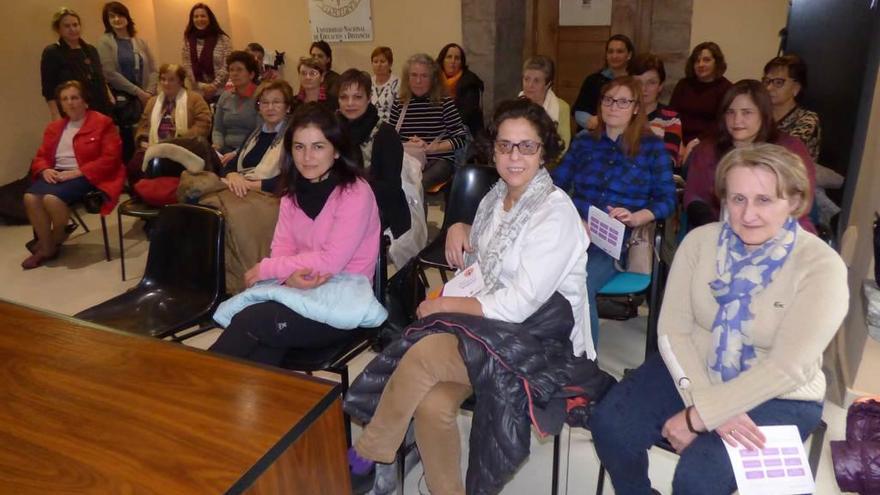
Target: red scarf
(203,63)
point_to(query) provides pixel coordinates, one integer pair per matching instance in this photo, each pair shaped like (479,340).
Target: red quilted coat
(98,151)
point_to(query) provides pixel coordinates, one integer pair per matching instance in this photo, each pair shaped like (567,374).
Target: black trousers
(264,332)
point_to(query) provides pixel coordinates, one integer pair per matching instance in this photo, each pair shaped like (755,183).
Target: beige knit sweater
(795,318)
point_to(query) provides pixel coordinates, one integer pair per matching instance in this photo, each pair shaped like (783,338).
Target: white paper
(606,232)
(780,468)
(466,283)
(584,12)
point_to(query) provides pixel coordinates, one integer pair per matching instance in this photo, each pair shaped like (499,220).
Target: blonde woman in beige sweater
(752,302)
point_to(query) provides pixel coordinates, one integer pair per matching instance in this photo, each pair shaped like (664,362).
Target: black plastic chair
(816,440)
(92,204)
(335,358)
(183,282)
(469,185)
(631,285)
(135,207)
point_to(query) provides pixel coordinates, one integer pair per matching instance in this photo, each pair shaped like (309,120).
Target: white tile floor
(81,278)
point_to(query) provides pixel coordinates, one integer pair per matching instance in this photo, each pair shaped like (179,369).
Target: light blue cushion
(626,283)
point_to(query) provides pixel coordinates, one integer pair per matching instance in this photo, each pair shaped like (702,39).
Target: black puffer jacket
(857,460)
(516,370)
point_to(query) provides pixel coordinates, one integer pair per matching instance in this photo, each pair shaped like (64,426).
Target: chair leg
(422,275)
(343,376)
(79,219)
(401,466)
(600,484)
(443,275)
(121,245)
(816,445)
(106,241)
(554,483)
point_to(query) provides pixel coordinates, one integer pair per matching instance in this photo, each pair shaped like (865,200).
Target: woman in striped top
(427,119)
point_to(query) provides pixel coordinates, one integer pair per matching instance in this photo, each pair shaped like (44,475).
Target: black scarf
(312,196)
(360,128)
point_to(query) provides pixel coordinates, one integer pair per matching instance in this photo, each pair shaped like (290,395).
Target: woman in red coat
(79,154)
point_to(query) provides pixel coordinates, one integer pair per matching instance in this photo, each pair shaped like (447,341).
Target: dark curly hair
(523,108)
(245,59)
(759,95)
(346,169)
(717,54)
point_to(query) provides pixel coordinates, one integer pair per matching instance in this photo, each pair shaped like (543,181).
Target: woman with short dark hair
(235,114)
(205,48)
(785,78)
(321,51)
(72,59)
(529,244)
(662,120)
(465,87)
(619,50)
(80,153)
(696,97)
(745,117)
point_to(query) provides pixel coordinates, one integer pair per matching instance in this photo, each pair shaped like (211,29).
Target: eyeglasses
(622,103)
(777,82)
(272,103)
(525,147)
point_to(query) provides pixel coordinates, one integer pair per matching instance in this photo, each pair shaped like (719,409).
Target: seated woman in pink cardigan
(328,223)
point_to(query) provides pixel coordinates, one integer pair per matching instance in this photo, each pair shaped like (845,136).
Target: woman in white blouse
(529,243)
(385,84)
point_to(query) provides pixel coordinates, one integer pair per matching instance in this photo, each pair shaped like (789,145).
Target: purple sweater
(343,238)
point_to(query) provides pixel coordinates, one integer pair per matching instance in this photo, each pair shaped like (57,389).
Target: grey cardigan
(108,51)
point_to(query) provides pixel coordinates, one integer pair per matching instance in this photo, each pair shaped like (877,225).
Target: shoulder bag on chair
(640,251)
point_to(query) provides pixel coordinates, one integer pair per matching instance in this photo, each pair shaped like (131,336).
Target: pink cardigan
(344,237)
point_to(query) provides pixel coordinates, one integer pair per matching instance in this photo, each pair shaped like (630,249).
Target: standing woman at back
(129,68)
(619,49)
(72,59)
(205,48)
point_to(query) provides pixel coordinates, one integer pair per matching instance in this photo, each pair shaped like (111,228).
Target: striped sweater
(430,121)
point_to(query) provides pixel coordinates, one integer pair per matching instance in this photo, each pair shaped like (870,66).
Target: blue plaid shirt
(599,173)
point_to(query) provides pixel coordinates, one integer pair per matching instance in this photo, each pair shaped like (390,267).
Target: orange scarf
(451,82)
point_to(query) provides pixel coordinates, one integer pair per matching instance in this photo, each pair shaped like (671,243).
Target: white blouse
(384,95)
(65,159)
(550,255)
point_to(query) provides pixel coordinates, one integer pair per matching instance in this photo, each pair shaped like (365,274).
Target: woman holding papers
(529,245)
(620,168)
(757,299)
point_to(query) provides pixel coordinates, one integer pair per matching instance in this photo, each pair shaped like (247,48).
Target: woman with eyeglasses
(529,244)
(621,168)
(619,50)
(258,161)
(311,83)
(746,117)
(785,78)
(758,299)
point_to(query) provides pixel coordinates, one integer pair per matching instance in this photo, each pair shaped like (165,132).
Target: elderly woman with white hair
(742,347)
(427,119)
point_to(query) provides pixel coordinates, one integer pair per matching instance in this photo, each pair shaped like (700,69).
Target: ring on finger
(732,431)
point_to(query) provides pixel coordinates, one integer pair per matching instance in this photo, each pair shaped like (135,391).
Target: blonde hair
(791,174)
(437,91)
(61,14)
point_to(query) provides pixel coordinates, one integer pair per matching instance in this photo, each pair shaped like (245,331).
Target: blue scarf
(741,276)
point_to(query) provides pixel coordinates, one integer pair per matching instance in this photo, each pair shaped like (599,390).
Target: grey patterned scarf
(505,235)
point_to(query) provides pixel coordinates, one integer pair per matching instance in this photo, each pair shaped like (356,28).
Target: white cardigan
(550,255)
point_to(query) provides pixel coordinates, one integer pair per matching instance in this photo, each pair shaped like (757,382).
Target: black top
(60,63)
(253,158)
(312,196)
(468,95)
(384,172)
(588,97)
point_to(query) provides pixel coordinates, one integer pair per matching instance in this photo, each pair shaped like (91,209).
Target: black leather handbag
(127,110)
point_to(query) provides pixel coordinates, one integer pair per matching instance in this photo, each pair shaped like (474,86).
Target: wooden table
(85,409)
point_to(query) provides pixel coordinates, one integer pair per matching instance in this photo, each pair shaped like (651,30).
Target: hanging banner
(341,20)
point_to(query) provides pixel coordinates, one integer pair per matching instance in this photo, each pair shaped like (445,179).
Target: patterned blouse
(384,96)
(804,125)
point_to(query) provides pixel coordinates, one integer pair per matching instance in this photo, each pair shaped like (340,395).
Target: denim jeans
(629,419)
(600,269)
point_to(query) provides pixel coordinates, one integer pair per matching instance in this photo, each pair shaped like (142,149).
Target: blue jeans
(628,421)
(600,269)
